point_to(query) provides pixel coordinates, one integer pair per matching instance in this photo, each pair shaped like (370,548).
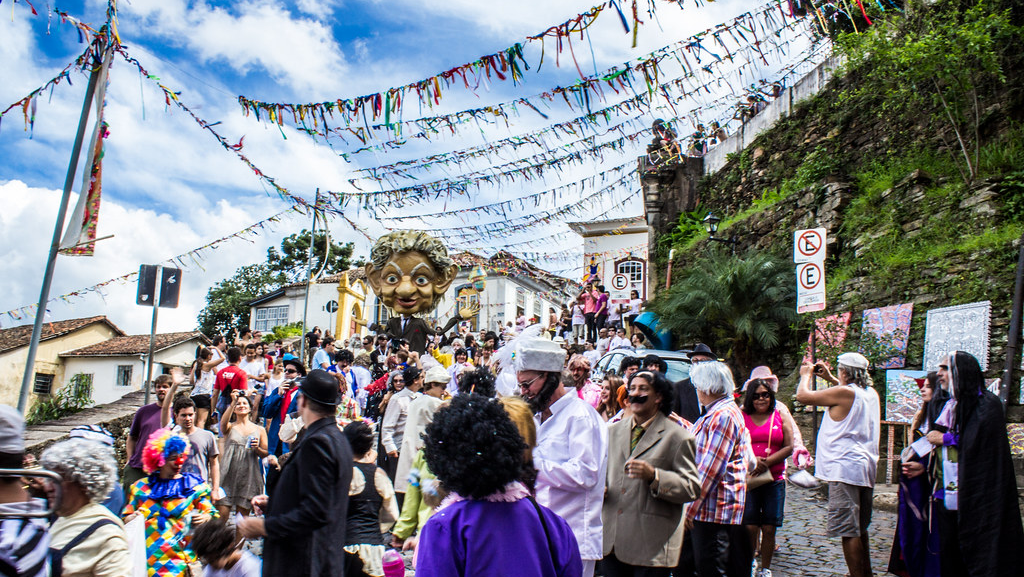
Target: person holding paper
(915,548)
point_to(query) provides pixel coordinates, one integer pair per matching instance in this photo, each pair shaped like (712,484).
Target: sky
(170,187)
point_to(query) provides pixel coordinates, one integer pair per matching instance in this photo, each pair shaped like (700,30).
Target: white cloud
(318,8)
(141,236)
(251,37)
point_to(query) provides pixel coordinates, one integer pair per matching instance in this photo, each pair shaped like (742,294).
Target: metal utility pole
(668,275)
(309,275)
(1013,340)
(58,227)
(814,376)
(152,331)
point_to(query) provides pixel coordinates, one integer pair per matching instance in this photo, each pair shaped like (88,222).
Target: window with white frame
(269,317)
(633,269)
(82,383)
(521,298)
(124,375)
(538,308)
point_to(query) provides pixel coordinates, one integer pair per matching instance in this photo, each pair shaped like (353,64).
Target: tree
(743,305)
(227,302)
(293,257)
(919,65)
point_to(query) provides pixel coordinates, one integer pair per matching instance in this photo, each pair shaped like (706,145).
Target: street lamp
(711,223)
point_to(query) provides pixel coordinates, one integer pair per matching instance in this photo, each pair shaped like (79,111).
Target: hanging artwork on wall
(831,334)
(902,395)
(1015,432)
(891,326)
(960,328)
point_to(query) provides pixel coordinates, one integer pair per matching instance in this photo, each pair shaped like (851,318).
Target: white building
(117,366)
(615,254)
(512,287)
(49,371)
(344,304)
(336,303)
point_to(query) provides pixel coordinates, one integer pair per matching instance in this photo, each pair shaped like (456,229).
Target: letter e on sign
(809,245)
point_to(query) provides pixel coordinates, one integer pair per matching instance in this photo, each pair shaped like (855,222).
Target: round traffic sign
(620,282)
(810,275)
(809,243)
(331,306)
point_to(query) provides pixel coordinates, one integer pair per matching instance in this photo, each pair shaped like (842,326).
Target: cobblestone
(804,548)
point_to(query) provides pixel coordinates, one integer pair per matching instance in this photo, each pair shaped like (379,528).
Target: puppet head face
(410,271)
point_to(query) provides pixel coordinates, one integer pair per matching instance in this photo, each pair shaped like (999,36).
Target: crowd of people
(492,456)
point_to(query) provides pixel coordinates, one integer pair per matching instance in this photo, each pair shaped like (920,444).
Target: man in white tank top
(846,451)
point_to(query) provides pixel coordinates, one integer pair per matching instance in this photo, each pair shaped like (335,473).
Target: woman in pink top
(589,310)
(772,440)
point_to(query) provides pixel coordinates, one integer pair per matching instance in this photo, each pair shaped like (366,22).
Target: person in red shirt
(230,378)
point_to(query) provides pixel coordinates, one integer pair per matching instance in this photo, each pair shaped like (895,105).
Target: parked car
(677,361)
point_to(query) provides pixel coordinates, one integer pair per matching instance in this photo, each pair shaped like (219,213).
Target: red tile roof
(132,345)
(17,337)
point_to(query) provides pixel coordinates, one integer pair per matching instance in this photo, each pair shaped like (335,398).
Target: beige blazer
(643,526)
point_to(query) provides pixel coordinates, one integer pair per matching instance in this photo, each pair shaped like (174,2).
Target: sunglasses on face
(762,395)
(290,371)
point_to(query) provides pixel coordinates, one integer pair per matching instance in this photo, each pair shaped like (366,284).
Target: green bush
(74,397)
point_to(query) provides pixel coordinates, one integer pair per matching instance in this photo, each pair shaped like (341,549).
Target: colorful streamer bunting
(388,104)
(313,117)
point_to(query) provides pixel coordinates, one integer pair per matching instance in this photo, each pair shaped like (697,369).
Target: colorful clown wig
(161,444)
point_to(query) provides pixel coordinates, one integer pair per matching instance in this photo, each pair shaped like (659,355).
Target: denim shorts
(765,504)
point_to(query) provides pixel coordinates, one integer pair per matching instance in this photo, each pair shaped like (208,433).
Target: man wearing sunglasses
(278,404)
(572,444)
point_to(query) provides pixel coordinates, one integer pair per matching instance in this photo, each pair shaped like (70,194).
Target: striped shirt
(723,443)
(25,542)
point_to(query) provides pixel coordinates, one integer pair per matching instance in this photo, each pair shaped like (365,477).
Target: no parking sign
(809,254)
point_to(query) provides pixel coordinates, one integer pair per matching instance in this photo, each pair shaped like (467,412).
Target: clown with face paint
(410,271)
(170,502)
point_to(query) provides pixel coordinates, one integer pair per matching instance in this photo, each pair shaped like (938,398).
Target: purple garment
(145,422)
(915,548)
(471,538)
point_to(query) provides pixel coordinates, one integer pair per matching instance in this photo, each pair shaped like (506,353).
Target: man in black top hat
(685,403)
(305,517)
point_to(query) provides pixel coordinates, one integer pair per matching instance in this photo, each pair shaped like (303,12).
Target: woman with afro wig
(170,502)
(490,523)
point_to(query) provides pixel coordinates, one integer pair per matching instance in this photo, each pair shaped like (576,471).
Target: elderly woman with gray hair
(91,540)
(720,543)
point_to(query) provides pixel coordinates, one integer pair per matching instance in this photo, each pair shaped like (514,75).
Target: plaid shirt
(722,445)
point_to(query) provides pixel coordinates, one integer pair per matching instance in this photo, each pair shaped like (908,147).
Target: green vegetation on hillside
(913,156)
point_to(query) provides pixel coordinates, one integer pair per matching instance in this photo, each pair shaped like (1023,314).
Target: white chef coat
(395,416)
(571,459)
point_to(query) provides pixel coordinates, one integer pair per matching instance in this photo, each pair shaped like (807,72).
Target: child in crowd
(219,549)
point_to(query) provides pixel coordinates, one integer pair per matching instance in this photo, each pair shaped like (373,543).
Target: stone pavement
(804,550)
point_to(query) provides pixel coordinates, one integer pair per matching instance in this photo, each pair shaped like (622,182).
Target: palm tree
(743,305)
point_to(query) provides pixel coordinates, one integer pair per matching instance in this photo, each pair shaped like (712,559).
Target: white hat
(436,374)
(12,430)
(854,360)
(538,354)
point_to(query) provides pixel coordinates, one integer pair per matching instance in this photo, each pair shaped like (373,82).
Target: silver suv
(677,361)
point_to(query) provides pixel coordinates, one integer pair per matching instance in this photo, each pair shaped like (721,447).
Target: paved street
(804,548)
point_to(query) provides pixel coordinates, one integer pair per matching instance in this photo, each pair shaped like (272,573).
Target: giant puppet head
(409,271)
